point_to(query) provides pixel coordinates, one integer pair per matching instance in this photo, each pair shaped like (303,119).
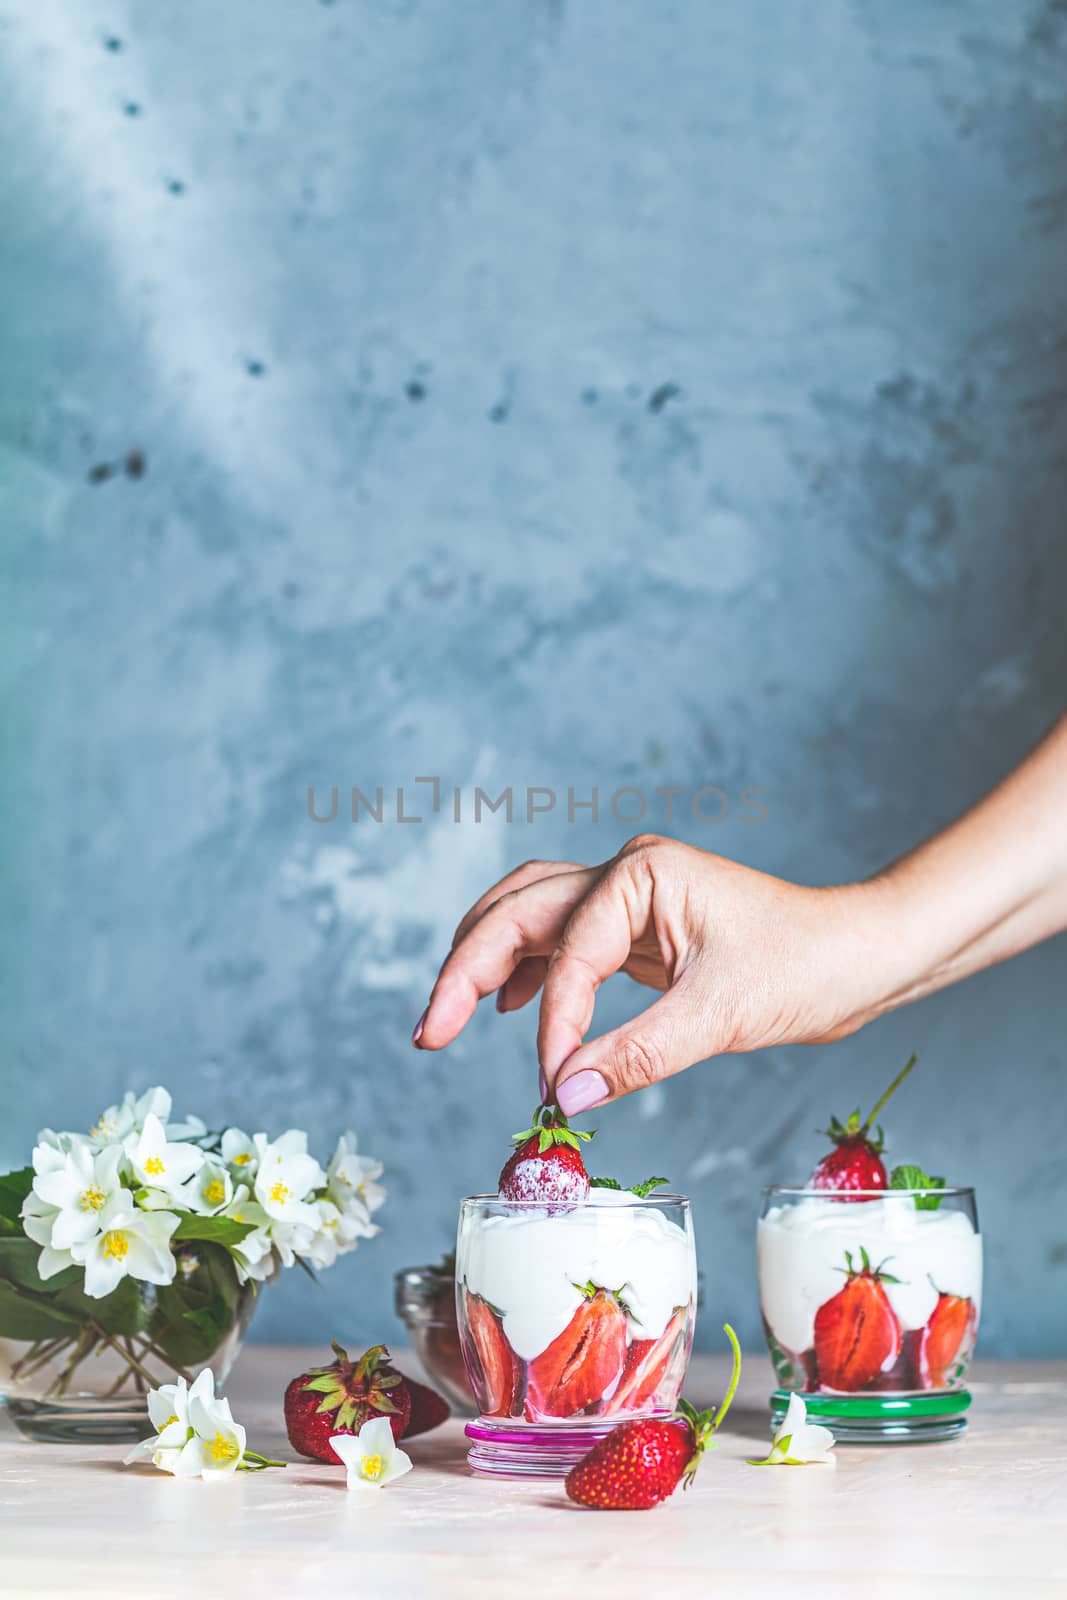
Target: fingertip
(582,1092)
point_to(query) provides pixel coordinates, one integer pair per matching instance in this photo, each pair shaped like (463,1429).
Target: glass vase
(75,1369)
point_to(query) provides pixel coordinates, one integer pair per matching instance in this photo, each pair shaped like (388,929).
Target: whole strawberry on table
(341,1396)
(641,1463)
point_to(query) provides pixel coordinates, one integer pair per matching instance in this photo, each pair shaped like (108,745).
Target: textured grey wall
(388,293)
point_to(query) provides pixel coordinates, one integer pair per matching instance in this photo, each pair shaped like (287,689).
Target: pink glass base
(529,1451)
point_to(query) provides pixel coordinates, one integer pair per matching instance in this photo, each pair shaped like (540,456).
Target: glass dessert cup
(870,1302)
(573,1317)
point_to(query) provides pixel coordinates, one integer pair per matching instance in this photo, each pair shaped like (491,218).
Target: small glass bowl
(426,1304)
(573,1317)
(870,1303)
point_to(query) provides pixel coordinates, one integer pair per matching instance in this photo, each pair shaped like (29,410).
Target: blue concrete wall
(535,394)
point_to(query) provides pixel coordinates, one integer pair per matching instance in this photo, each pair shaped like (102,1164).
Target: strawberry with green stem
(641,1463)
(547,1164)
(341,1397)
(584,1362)
(855,1162)
(857,1333)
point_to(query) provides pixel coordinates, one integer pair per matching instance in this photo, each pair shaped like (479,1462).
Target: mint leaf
(643,1190)
(604,1183)
(910,1176)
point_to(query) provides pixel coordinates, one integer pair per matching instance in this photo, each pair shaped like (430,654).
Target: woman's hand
(744,960)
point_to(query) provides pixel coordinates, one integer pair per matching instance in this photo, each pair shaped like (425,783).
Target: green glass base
(882,1418)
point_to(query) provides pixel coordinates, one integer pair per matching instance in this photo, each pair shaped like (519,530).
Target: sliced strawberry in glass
(648,1363)
(949,1328)
(856,1332)
(583,1363)
(499,1368)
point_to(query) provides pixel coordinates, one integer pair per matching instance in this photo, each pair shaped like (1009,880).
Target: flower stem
(735,1377)
(40,1353)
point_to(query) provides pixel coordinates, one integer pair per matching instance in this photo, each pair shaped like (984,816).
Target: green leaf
(18,1264)
(328,1383)
(14,1187)
(216,1230)
(25,1316)
(643,1190)
(125,1310)
(194,1314)
(604,1183)
(911,1177)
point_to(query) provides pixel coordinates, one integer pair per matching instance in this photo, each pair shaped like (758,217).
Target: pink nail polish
(417,1035)
(542,1084)
(585,1089)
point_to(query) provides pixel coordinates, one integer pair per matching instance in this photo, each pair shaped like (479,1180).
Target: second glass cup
(870,1301)
(573,1317)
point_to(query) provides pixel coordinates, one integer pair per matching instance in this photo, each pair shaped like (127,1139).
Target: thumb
(670,1036)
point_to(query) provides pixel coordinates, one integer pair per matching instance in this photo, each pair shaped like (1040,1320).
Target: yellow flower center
(154,1164)
(222,1449)
(238,1216)
(116,1244)
(242,1160)
(215,1192)
(279,1193)
(102,1128)
(372,1467)
(93,1198)
(172,1418)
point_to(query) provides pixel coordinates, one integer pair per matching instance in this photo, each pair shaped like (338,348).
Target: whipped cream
(528,1264)
(801,1248)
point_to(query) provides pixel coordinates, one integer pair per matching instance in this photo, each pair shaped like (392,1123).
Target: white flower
(350,1175)
(189,1128)
(239,1151)
(210,1190)
(116,1123)
(285,1179)
(252,1257)
(798,1442)
(72,1189)
(156,1162)
(196,1435)
(326,1244)
(168,1411)
(370,1456)
(129,1242)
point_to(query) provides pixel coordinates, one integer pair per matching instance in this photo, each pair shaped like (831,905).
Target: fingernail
(500,998)
(585,1089)
(417,1035)
(542,1084)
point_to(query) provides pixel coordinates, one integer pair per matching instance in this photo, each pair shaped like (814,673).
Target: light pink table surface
(982,1516)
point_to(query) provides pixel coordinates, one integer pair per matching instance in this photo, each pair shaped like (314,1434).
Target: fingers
(521,923)
(595,943)
(529,872)
(523,984)
(671,1035)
